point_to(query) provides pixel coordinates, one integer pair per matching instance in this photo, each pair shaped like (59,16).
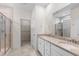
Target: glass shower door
(2,35)
(5,34)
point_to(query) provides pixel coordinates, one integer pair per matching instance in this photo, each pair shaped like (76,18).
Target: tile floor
(25,50)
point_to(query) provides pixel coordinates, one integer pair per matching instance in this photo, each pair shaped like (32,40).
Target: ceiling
(26,6)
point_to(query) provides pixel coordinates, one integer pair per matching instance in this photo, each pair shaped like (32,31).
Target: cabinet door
(41,46)
(56,51)
(53,51)
(47,48)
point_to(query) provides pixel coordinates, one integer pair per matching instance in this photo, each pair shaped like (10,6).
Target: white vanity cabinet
(47,48)
(57,51)
(41,46)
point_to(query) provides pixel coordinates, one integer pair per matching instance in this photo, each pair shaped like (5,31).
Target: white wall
(49,20)
(38,18)
(37,24)
(75,23)
(16,28)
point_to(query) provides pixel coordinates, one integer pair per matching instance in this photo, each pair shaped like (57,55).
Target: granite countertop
(68,46)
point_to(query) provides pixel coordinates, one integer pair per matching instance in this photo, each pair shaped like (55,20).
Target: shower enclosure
(5,34)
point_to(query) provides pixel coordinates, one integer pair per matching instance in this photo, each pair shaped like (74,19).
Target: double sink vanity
(64,33)
(57,46)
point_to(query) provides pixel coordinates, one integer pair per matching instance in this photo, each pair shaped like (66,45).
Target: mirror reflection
(62,25)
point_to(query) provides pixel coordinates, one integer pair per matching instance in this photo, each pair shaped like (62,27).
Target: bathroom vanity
(54,46)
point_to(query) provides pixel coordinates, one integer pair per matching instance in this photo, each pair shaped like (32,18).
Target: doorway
(25,31)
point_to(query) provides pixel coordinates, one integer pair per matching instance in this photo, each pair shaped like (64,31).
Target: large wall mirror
(62,24)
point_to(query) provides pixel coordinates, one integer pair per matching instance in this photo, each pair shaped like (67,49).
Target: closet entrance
(25,31)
